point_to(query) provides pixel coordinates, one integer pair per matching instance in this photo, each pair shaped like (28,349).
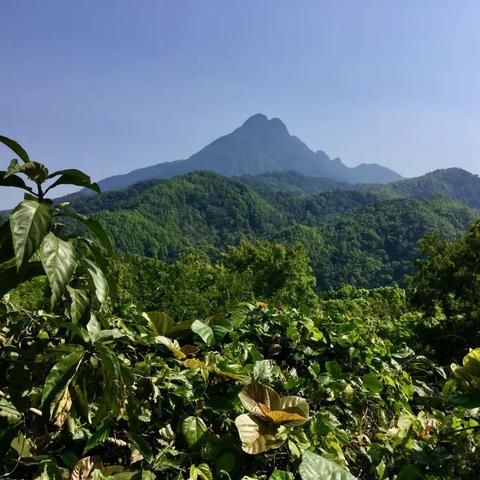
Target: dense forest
(252,353)
(366,237)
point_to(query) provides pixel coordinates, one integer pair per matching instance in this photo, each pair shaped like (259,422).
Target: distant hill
(364,237)
(260,145)
(451,183)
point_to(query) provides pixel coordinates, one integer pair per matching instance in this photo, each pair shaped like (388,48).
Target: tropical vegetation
(232,369)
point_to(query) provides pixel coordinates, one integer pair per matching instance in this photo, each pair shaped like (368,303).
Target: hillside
(362,237)
(454,183)
(259,145)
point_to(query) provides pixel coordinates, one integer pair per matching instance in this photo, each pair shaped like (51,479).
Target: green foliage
(366,237)
(446,289)
(93,387)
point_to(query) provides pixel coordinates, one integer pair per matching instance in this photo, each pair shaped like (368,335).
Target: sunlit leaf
(256,435)
(98,279)
(315,467)
(193,429)
(29,223)
(204,331)
(59,261)
(80,302)
(160,322)
(172,345)
(254,394)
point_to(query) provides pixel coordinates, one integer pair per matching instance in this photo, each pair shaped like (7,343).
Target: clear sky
(113,85)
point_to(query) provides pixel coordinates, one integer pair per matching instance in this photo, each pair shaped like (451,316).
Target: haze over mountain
(260,145)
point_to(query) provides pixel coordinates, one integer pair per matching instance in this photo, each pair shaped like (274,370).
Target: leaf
(373,383)
(8,410)
(279,416)
(470,371)
(142,445)
(294,404)
(95,227)
(281,475)
(80,303)
(160,322)
(204,472)
(263,371)
(314,467)
(12,180)
(73,177)
(172,345)
(193,429)
(99,437)
(255,394)
(21,445)
(256,435)
(29,223)
(98,279)
(60,407)
(113,389)
(59,261)
(204,331)
(15,147)
(61,375)
(85,467)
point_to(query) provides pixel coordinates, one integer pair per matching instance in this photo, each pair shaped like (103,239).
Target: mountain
(362,237)
(260,145)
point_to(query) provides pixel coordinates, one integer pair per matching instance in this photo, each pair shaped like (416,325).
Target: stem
(40,191)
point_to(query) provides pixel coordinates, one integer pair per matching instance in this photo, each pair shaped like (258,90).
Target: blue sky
(115,85)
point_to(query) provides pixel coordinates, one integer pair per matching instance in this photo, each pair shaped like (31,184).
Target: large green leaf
(59,261)
(15,147)
(29,223)
(160,322)
(315,467)
(73,177)
(113,388)
(373,383)
(193,429)
(98,279)
(204,331)
(61,375)
(80,302)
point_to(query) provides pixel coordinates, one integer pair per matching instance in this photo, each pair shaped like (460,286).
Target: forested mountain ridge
(259,145)
(367,237)
(453,183)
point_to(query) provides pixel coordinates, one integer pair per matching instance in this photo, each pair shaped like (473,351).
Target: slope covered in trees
(361,237)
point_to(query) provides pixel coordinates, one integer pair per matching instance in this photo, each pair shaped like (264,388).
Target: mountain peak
(255,120)
(259,145)
(261,123)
